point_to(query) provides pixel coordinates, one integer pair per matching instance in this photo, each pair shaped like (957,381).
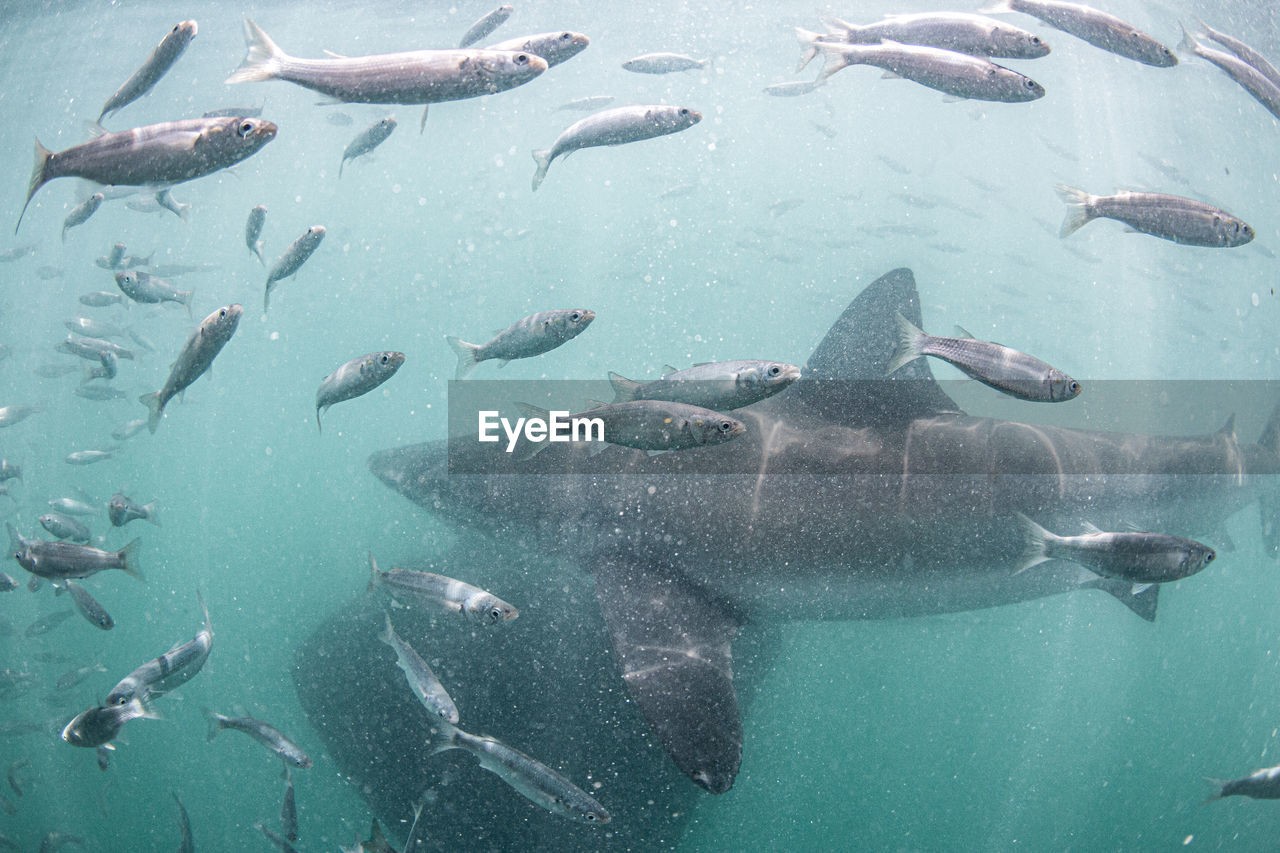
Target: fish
(101,725)
(108,368)
(187,844)
(664,63)
(486,25)
(93,612)
(7,805)
(292,259)
(76,676)
(114,259)
(14,774)
(430,693)
(264,733)
(62,560)
(7,583)
(173,270)
(1094,26)
(223,112)
(451,595)
(533,335)
(165,199)
(121,510)
(94,328)
(956,74)
(530,778)
(650,425)
(144,288)
(1244,52)
(89,457)
(10,470)
(196,357)
(129,429)
(588,104)
(1262,785)
(154,155)
(8,256)
(722,386)
(1139,558)
(851,496)
(169,671)
(339,119)
(289,808)
(102,299)
(170,49)
(91,349)
(71,506)
(1252,79)
(253,230)
(616,126)
(555,47)
(358,376)
(80,214)
(65,527)
(791,89)
(369,139)
(45,624)
(281,844)
(104,757)
(10,415)
(141,341)
(95,392)
(994,365)
(963,32)
(1169,217)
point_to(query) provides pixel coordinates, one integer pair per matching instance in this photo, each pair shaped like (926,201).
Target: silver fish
(169,671)
(356,377)
(101,299)
(451,595)
(93,612)
(289,808)
(534,335)
(108,367)
(957,74)
(173,270)
(91,349)
(264,733)
(997,366)
(1141,558)
(722,386)
(1262,785)
(1245,52)
(65,527)
(1251,78)
(790,90)
(555,48)
(530,778)
(121,510)
(1170,217)
(617,126)
(165,199)
(486,25)
(129,430)
(223,112)
(291,259)
(588,104)
(45,624)
(649,425)
(664,63)
(171,47)
(80,214)
(976,35)
(14,774)
(369,139)
(7,583)
(196,357)
(422,681)
(281,844)
(1094,26)
(154,155)
(62,560)
(77,676)
(99,726)
(253,230)
(144,288)
(187,844)
(94,328)
(10,470)
(71,506)
(10,415)
(99,393)
(89,457)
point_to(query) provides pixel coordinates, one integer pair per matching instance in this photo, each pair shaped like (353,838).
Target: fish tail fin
(808,46)
(215,723)
(1036,544)
(39,176)
(444,736)
(542,158)
(1220,785)
(1188,44)
(1269,503)
(263,59)
(257,250)
(910,344)
(373,574)
(624,389)
(154,409)
(15,539)
(340,165)
(997,8)
(388,630)
(151,511)
(129,560)
(1078,214)
(319,428)
(186,300)
(466,356)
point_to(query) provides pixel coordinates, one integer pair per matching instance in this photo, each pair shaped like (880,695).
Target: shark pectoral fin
(673,647)
(1141,602)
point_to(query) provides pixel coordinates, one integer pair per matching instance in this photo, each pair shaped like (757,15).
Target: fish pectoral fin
(672,644)
(1142,602)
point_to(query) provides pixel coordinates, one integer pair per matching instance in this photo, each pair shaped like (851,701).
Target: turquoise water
(1064,723)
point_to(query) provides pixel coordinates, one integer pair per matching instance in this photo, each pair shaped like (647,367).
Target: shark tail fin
(1036,544)
(466,353)
(39,176)
(624,390)
(1078,214)
(1269,503)
(543,159)
(911,342)
(263,60)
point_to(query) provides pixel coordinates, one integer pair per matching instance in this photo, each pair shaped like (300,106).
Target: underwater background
(1060,724)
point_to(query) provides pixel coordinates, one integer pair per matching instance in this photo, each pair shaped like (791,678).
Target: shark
(854,494)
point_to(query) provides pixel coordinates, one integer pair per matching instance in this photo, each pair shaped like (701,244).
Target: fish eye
(495,614)
(1029,83)
(590,816)
(566,36)
(774,370)
(246,127)
(1074,387)
(522,60)
(1209,557)
(1035,40)
(385,358)
(726,426)
(222,312)
(575,316)
(683,111)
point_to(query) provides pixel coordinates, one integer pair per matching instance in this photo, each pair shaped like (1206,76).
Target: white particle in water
(1254,299)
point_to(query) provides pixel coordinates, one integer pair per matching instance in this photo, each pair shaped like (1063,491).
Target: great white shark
(853,495)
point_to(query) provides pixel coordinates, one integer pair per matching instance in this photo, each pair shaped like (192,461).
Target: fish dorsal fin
(962,332)
(846,377)
(667,370)
(1090,527)
(332,55)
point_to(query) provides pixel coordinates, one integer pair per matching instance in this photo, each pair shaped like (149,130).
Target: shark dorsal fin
(846,378)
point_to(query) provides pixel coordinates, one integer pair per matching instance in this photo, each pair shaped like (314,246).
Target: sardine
(171,47)
(129,429)
(1140,558)
(89,457)
(90,349)
(100,393)
(534,335)
(486,25)
(790,90)
(281,844)
(145,288)
(555,48)
(422,681)
(1244,51)
(588,104)
(223,112)
(71,506)
(62,560)
(1094,26)
(292,258)
(99,726)
(76,676)
(451,595)
(664,63)
(1262,785)
(10,470)
(649,425)
(264,733)
(102,299)
(196,357)
(1252,79)
(121,510)
(253,230)
(93,612)
(722,386)
(10,415)
(356,377)
(1170,217)
(369,139)
(65,527)
(80,214)
(169,671)
(957,74)
(617,126)
(976,35)
(93,328)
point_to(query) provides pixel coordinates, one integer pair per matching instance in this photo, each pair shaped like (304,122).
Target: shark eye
(245,128)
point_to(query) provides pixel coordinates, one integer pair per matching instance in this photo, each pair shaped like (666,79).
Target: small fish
(555,48)
(80,214)
(292,258)
(1244,52)
(7,583)
(62,560)
(339,119)
(1169,217)
(71,506)
(99,726)
(289,808)
(93,328)
(196,357)
(422,681)
(49,273)
(1263,785)
(722,386)
(121,510)
(15,772)
(102,299)
(141,341)
(76,676)
(129,429)
(617,126)
(664,63)
(155,155)
(253,230)
(224,112)
(100,393)
(590,103)
(264,733)
(1015,373)
(171,47)
(104,757)
(169,671)
(65,527)
(790,90)
(369,139)
(7,805)
(187,844)
(451,595)
(356,377)
(93,612)
(486,25)
(144,288)
(89,457)
(90,349)
(649,425)
(10,470)
(108,368)
(534,335)
(975,35)
(281,844)
(8,256)
(1094,26)
(531,779)
(165,199)
(1139,558)
(10,415)
(1251,78)
(47,623)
